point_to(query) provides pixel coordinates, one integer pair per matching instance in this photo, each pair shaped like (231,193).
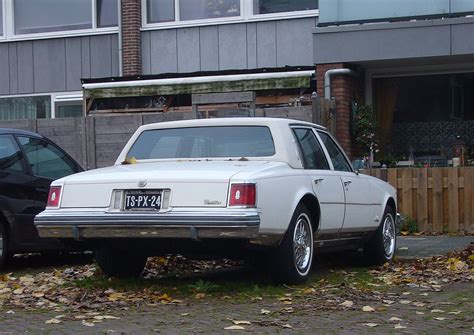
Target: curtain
(25,108)
(386,95)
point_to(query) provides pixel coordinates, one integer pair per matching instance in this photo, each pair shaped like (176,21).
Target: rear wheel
(120,263)
(4,252)
(381,247)
(292,260)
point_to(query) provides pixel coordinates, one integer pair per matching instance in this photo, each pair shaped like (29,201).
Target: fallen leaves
(429,273)
(368,309)
(87,324)
(60,289)
(371,324)
(347,303)
(399,326)
(52,321)
(235,327)
(241,322)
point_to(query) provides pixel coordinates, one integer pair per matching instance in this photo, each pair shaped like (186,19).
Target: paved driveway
(426,246)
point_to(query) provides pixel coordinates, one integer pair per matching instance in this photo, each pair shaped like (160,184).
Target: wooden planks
(439,199)
(422,198)
(469,199)
(407,194)
(453,202)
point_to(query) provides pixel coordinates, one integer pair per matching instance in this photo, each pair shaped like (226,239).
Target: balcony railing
(340,12)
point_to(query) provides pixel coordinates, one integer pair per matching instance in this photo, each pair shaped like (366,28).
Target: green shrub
(410,225)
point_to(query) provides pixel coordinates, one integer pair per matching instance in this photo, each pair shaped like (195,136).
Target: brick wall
(131,39)
(344,89)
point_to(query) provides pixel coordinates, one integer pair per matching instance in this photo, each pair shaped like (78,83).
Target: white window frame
(4,24)
(246,15)
(56,97)
(9,26)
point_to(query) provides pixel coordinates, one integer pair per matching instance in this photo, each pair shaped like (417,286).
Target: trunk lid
(192,183)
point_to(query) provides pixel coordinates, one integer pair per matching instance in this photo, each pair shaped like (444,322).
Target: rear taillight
(242,195)
(53,197)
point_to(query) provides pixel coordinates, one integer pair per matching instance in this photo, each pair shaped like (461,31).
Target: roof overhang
(199,84)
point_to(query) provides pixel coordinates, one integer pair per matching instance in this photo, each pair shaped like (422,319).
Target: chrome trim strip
(207,224)
(146,231)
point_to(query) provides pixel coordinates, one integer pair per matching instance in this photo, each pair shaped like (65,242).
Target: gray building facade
(45,53)
(413,61)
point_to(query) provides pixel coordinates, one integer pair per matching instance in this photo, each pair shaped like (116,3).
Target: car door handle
(317,181)
(346,183)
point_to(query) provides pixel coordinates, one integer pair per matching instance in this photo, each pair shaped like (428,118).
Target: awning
(199,84)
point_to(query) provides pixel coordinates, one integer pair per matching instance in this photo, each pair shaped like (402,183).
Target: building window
(19,108)
(279,6)
(25,19)
(164,10)
(160,11)
(41,16)
(107,13)
(1,17)
(68,109)
(208,9)
(166,13)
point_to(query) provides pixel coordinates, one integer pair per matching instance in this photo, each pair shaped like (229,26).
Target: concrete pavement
(426,246)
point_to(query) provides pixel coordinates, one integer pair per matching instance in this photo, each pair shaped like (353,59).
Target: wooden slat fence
(440,199)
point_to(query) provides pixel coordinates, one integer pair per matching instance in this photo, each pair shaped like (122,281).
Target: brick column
(131,38)
(344,89)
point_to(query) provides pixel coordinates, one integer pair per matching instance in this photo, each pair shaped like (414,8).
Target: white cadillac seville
(228,187)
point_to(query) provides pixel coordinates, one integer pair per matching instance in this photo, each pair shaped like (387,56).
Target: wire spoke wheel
(388,234)
(302,244)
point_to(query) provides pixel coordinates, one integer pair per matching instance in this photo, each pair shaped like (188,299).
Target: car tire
(4,252)
(381,247)
(120,263)
(292,260)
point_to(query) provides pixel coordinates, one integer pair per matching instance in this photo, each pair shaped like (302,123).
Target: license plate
(143,200)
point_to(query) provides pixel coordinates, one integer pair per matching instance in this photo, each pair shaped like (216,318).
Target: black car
(29,162)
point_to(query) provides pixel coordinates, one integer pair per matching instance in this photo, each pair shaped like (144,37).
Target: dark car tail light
(53,197)
(243,195)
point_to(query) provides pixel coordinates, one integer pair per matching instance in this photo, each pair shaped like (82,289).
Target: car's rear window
(201,142)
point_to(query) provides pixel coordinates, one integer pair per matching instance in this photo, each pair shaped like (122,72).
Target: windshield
(203,142)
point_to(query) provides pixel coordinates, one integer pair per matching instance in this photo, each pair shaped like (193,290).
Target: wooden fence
(439,199)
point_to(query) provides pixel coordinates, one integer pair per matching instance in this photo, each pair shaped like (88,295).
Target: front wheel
(381,247)
(292,259)
(120,263)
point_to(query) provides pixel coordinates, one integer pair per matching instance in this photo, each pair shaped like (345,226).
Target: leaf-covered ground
(82,294)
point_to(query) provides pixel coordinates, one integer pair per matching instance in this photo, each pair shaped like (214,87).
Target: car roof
(233,121)
(19,132)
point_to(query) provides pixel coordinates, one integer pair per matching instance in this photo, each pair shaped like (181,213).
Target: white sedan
(227,187)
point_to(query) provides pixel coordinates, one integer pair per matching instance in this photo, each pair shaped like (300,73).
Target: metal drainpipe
(120,37)
(327,79)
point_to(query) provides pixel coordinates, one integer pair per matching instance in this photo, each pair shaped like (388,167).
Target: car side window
(11,157)
(313,154)
(338,159)
(46,160)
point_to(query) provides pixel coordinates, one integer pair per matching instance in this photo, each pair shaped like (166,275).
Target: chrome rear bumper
(173,224)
